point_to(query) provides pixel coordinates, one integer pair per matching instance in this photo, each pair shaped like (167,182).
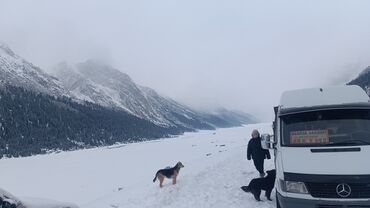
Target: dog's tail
(155,177)
(246,188)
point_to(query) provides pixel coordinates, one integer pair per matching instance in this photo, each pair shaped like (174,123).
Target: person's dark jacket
(255,150)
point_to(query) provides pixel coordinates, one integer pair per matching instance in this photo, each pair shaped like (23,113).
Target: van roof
(323,96)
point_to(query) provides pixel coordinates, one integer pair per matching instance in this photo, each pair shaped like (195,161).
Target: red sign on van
(309,137)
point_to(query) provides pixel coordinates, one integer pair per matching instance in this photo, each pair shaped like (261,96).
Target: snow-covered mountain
(102,84)
(363,80)
(16,71)
(106,86)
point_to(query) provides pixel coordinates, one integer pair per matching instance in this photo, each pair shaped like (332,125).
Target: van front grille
(329,190)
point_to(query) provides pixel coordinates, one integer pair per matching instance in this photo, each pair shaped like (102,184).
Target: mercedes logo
(343,190)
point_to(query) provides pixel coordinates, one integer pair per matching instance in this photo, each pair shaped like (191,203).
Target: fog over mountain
(237,54)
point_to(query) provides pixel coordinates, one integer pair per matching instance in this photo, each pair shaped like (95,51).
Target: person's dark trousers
(259,165)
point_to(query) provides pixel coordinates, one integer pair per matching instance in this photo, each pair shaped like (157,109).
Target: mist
(206,54)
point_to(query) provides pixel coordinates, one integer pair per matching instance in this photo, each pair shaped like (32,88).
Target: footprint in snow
(118,189)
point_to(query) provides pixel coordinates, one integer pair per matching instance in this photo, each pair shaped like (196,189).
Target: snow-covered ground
(121,176)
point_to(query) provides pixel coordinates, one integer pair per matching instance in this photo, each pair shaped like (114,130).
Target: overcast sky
(239,54)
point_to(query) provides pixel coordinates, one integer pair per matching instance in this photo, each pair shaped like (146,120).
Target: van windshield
(345,127)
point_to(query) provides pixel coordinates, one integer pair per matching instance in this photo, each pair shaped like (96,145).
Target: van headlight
(294,187)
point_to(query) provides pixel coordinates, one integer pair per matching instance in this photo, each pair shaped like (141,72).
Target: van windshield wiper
(349,142)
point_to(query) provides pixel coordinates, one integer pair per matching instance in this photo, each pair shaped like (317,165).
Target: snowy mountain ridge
(17,71)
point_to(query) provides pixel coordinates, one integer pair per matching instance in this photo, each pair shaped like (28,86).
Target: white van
(322,148)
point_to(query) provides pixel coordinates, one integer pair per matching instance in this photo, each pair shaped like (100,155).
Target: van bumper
(287,202)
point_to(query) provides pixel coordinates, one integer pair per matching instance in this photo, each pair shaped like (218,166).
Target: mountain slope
(16,71)
(104,85)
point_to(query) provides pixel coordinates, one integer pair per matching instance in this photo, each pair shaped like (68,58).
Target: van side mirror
(267,141)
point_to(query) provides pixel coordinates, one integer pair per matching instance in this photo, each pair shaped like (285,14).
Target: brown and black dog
(168,173)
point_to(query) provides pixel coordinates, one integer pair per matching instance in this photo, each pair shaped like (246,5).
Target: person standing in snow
(256,152)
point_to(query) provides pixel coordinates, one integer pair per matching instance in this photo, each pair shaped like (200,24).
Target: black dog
(258,184)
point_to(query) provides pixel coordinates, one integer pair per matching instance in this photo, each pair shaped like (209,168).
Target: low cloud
(237,54)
